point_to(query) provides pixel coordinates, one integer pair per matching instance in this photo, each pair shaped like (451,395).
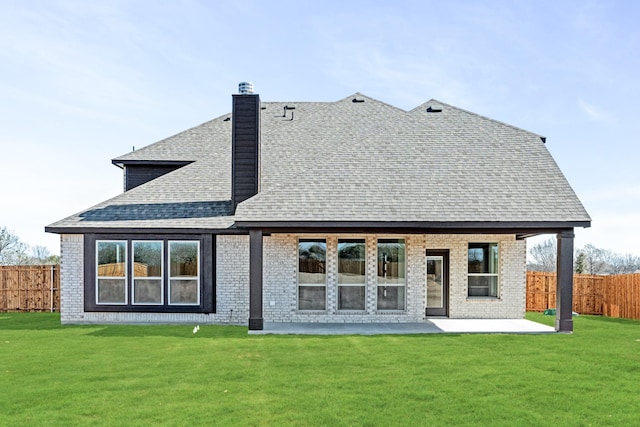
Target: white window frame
(496,274)
(125,270)
(404,284)
(181,278)
(364,285)
(133,273)
(300,284)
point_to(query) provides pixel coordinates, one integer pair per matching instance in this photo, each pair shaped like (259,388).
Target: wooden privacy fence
(621,296)
(30,288)
(615,296)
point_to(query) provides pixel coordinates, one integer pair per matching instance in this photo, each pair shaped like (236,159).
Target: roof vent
(357,100)
(287,108)
(245,88)
(434,108)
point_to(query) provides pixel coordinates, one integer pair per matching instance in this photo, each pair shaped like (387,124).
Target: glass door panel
(434,282)
(437,283)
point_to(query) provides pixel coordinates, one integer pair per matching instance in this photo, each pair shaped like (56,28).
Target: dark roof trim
(445,225)
(522,230)
(124,230)
(121,163)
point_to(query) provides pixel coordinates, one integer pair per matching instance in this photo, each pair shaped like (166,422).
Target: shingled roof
(353,160)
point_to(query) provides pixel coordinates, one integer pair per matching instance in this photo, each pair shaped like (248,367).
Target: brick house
(346,211)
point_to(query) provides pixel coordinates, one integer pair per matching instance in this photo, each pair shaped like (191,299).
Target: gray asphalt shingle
(350,161)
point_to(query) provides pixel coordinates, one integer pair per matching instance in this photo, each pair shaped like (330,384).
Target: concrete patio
(429,326)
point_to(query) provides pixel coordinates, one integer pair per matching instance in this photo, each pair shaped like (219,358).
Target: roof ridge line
(481,116)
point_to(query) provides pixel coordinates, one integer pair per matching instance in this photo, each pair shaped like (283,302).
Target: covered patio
(429,326)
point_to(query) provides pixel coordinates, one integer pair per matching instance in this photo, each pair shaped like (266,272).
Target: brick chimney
(245,145)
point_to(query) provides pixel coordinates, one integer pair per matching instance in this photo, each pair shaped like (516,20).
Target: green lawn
(166,375)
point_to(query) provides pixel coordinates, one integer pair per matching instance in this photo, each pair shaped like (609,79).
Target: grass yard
(166,375)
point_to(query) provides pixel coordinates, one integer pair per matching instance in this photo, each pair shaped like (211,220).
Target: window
(111,281)
(159,274)
(483,269)
(391,274)
(184,282)
(312,274)
(147,272)
(351,274)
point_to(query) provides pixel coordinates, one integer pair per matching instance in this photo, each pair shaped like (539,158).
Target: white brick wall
(232,303)
(512,276)
(280,258)
(280,282)
(232,279)
(72,278)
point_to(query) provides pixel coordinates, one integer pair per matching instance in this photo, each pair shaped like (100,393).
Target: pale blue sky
(83,82)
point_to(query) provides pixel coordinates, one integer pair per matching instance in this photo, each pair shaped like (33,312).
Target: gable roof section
(346,161)
(371,162)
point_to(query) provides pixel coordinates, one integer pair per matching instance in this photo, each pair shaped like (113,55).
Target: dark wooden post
(256,321)
(564,283)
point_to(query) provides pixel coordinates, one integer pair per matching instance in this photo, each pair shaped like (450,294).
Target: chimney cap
(245,88)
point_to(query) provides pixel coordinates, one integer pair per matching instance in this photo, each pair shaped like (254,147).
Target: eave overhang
(143,231)
(522,229)
(178,163)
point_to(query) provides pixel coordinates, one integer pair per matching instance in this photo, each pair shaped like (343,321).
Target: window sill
(484,299)
(148,308)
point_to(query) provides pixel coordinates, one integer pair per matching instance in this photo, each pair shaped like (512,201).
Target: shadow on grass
(51,321)
(550,320)
(34,321)
(30,321)
(174,331)
(240,332)
(614,320)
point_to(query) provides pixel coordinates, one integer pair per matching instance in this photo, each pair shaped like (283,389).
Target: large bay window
(161,274)
(391,279)
(312,274)
(352,277)
(483,263)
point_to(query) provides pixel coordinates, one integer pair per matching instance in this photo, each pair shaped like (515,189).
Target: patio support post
(256,321)
(564,283)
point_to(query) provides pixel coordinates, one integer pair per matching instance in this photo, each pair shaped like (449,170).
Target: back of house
(347,211)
